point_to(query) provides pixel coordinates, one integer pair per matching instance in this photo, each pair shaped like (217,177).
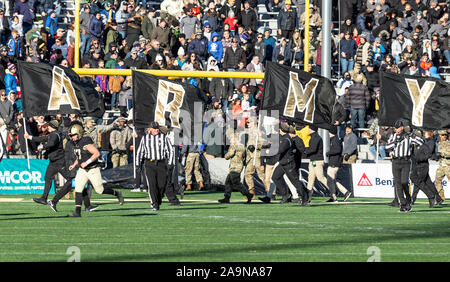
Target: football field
(202,230)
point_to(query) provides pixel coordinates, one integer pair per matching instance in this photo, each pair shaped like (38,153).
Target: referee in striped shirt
(400,144)
(156,153)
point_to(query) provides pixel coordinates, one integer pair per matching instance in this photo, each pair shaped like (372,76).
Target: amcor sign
(16,178)
(376,180)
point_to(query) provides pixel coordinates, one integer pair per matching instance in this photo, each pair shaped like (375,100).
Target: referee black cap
(400,122)
(154,125)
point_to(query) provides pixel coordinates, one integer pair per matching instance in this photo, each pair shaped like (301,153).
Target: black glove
(251,148)
(346,157)
(327,154)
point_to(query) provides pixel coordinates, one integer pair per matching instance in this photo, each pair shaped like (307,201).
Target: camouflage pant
(119,159)
(193,164)
(250,170)
(441,172)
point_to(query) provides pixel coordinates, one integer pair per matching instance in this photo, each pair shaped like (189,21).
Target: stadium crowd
(401,36)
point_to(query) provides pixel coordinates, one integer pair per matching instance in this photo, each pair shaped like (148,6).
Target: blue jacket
(199,47)
(10,83)
(52,24)
(270,46)
(106,14)
(348,47)
(215,48)
(12,47)
(95,28)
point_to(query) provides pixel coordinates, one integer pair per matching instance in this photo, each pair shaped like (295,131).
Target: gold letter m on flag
(301,98)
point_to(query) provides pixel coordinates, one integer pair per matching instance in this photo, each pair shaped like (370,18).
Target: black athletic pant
(140,177)
(293,176)
(171,192)
(52,170)
(233,182)
(422,181)
(156,178)
(400,171)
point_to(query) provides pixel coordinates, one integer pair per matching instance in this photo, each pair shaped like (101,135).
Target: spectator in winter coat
(52,23)
(270,42)
(16,45)
(122,18)
(26,9)
(96,27)
(199,45)
(283,49)
(398,45)
(358,100)
(161,34)
(364,52)
(248,18)
(255,66)
(378,52)
(149,23)
(233,55)
(347,48)
(189,24)
(260,47)
(11,79)
(212,17)
(215,47)
(287,20)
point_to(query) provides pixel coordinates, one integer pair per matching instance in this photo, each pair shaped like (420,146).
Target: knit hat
(54,124)
(11,66)
(181,51)
(245,36)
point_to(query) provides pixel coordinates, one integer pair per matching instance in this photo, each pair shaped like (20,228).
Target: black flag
(51,89)
(172,104)
(423,101)
(298,96)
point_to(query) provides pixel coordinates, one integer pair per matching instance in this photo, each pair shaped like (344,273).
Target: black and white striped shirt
(155,147)
(2,150)
(401,145)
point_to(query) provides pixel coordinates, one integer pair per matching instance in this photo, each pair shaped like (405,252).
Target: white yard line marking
(10,200)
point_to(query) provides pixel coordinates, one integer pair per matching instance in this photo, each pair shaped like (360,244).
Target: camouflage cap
(442,132)
(88,119)
(284,127)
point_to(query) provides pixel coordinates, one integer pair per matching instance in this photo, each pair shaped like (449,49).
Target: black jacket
(285,150)
(53,145)
(299,147)
(315,150)
(334,155)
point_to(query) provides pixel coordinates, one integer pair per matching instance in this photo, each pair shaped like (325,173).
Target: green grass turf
(203,230)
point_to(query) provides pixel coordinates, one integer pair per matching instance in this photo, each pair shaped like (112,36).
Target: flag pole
(378,143)
(134,152)
(26,142)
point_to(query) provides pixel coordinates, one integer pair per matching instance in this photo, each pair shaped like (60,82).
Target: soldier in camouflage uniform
(192,153)
(253,155)
(236,154)
(118,140)
(444,161)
